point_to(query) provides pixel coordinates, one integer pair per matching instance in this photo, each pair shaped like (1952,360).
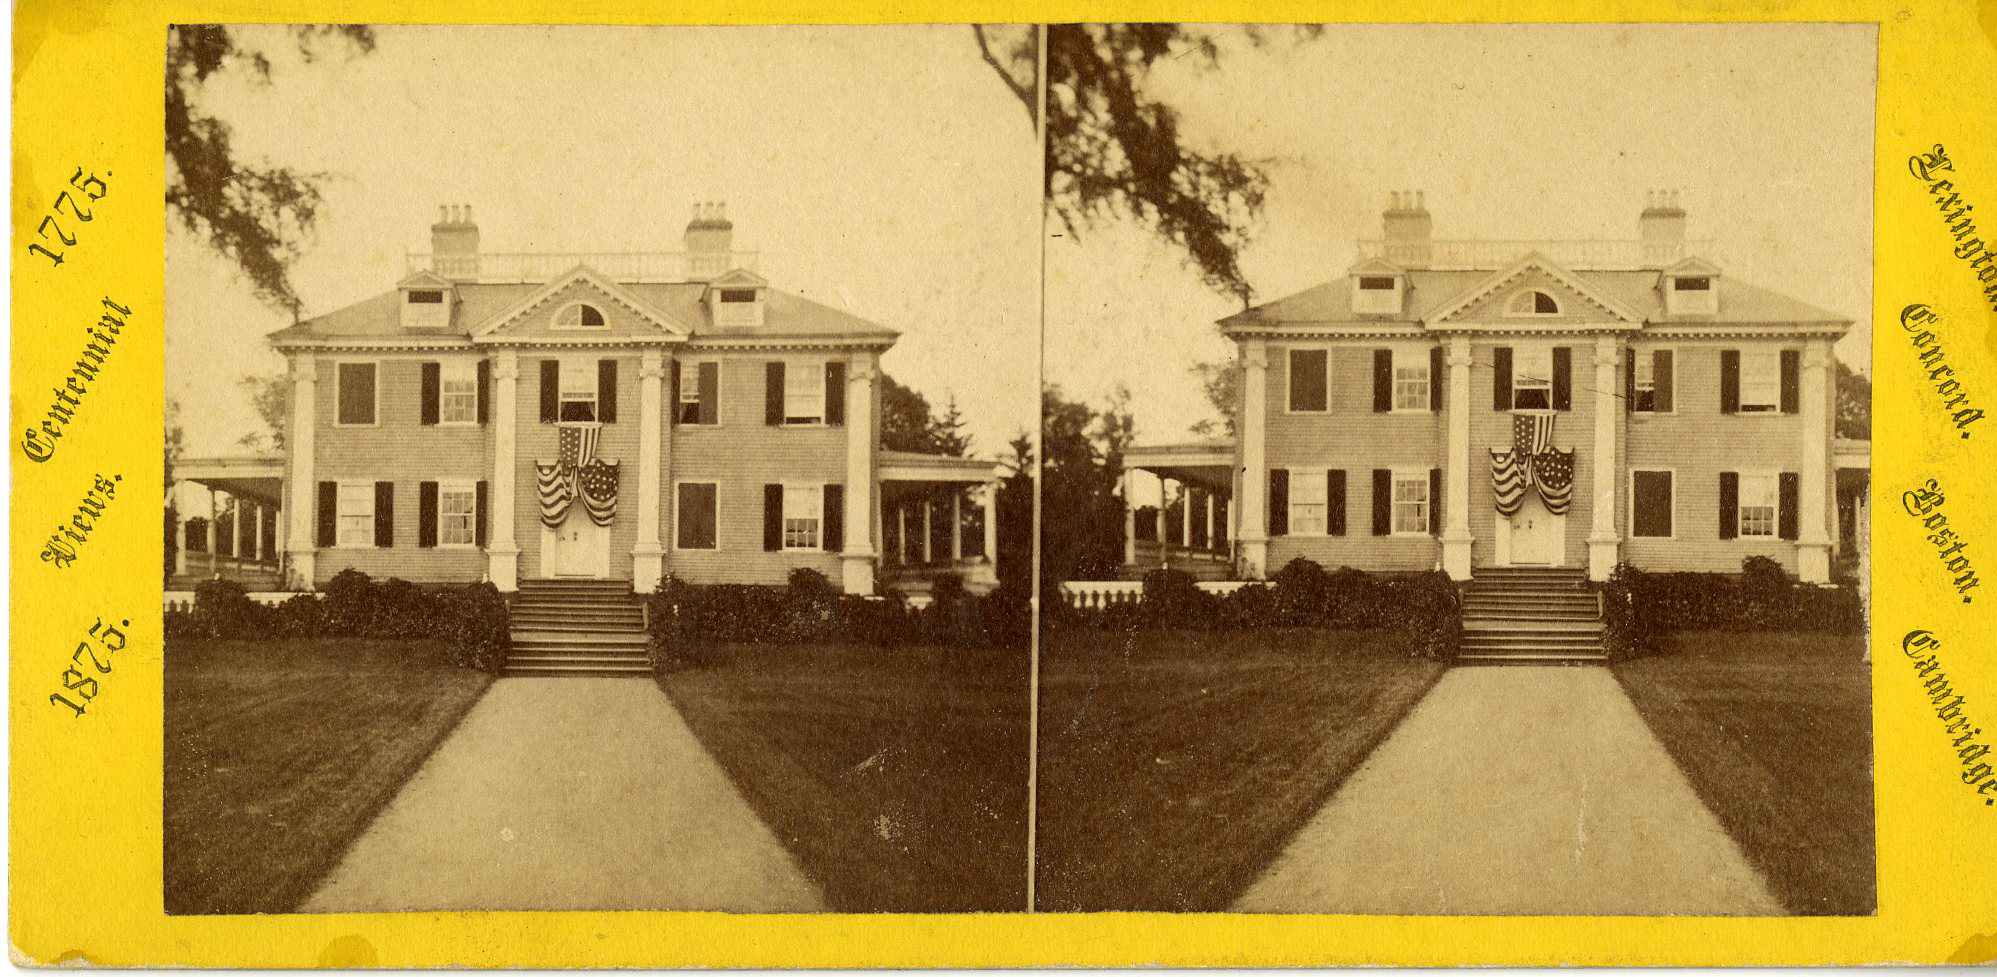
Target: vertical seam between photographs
(1039,433)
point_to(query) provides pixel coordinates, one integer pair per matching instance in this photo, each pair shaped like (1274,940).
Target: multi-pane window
(804,510)
(695,521)
(1307,503)
(356,514)
(804,393)
(1758,497)
(356,393)
(1411,380)
(1533,302)
(689,410)
(1650,503)
(1646,381)
(457,510)
(1532,378)
(579,315)
(1410,503)
(1760,381)
(458,393)
(578,390)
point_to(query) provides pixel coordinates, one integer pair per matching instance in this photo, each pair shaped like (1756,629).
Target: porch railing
(1095,595)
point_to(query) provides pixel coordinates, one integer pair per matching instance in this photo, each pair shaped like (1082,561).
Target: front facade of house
(611,416)
(1470,404)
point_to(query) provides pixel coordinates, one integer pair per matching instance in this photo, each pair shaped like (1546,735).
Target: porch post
(991,524)
(956,526)
(1813,544)
(1212,542)
(179,532)
(1164,545)
(256,531)
(1254,502)
(647,556)
(901,536)
(1457,542)
(1129,519)
(928,514)
(856,564)
(1186,517)
(213,514)
(1603,543)
(503,552)
(304,502)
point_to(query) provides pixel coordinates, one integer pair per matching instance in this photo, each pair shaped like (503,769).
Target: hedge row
(472,618)
(1424,607)
(1638,606)
(688,621)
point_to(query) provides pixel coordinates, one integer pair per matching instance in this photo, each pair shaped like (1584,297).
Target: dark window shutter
(1629,379)
(773,393)
(329,513)
(1792,381)
(1660,372)
(835,392)
(484,385)
(384,514)
(426,513)
(1279,502)
(1563,378)
(710,393)
(1435,501)
(1729,505)
(773,517)
(1729,381)
(1334,502)
(1501,378)
(433,390)
(1383,380)
(606,391)
(1383,502)
(1435,378)
(479,516)
(835,518)
(673,396)
(551,391)
(1789,486)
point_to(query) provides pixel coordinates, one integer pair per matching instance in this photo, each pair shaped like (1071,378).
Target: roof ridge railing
(1579,254)
(540,266)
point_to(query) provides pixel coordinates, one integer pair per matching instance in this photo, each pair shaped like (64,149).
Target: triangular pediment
(1376,266)
(626,316)
(426,279)
(1694,267)
(1492,299)
(738,278)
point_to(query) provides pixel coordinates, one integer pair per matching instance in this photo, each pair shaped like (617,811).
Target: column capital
(861,369)
(506,364)
(304,368)
(1255,353)
(651,364)
(1608,349)
(1458,345)
(1816,353)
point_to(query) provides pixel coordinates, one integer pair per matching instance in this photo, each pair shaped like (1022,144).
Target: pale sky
(883,171)
(1513,131)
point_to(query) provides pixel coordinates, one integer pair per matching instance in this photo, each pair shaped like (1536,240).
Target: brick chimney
(1662,219)
(454,242)
(1409,230)
(709,232)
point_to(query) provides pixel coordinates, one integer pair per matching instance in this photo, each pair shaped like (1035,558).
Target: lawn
(279,753)
(1774,730)
(1174,766)
(896,776)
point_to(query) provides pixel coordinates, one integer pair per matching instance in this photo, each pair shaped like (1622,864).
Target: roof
(784,316)
(1432,291)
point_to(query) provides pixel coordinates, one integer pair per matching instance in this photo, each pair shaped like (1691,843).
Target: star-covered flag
(576,471)
(1532,459)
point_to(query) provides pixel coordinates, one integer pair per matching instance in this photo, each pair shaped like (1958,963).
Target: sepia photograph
(598,467)
(1456,452)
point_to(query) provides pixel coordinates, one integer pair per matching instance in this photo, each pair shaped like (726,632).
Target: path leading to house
(568,793)
(1515,791)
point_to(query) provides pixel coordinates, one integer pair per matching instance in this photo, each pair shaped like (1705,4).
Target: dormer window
(1691,295)
(738,307)
(1533,302)
(580,315)
(426,296)
(426,305)
(1377,293)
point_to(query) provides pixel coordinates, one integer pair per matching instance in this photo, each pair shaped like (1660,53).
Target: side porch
(1178,510)
(227,521)
(938,518)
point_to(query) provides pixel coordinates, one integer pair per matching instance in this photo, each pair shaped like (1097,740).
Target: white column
(991,525)
(956,526)
(256,531)
(1164,500)
(647,556)
(1254,501)
(928,515)
(1210,538)
(214,513)
(1186,517)
(1603,543)
(304,501)
(1457,542)
(857,562)
(1129,518)
(1813,544)
(179,531)
(503,552)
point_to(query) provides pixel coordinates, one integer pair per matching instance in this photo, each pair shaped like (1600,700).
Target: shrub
(475,621)
(1639,606)
(223,609)
(472,619)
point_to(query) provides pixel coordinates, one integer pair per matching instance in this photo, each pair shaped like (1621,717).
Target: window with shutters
(1760,381)
(1411,380)
(457,396)
(1651,513)
(1308,380)
(804,512)
(804,393)
(580,315)
(578,390)
(1532,378)
(689,395)
(457,513)
(1308,514)
(1759,495)
(356,394)
(1410,497)
(696,517)
(1532,302)
(355,510)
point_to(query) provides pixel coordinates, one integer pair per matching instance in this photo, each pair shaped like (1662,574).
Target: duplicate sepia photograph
(604,489)
(1456,456)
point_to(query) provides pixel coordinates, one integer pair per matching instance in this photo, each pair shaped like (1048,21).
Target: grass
(1774,730)
(896,776)
(1175,766)
(279,753)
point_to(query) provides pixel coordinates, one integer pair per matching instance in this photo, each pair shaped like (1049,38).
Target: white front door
(578,547)
(1536,534)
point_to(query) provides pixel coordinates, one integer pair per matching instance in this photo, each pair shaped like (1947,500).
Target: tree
(271,396)
(947,431)
(1221,382)
(1014,563)
(257,215)
(1854,400)
(1081,536)
(908,423)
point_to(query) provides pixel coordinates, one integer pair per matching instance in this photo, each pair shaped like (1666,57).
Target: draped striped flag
(1532,459)
(577,471)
